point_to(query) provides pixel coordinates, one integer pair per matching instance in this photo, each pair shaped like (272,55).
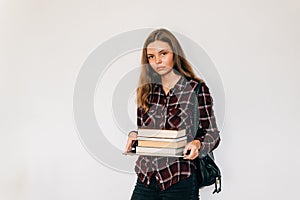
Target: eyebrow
(159,51)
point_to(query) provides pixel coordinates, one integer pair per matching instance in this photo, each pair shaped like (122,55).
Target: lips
(160,67)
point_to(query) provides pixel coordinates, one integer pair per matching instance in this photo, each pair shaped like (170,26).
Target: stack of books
(161,142)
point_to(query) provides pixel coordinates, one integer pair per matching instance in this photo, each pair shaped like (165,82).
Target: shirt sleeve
(139,117)
(138,120)
(208,132)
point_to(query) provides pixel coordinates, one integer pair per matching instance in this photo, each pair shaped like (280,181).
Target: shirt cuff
(200,134)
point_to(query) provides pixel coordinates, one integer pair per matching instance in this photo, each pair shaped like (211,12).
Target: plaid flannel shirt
(174,111)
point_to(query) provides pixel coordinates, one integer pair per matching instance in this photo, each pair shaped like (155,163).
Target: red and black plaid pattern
(174,111)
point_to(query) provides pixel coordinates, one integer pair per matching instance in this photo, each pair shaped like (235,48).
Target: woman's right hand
(132,137)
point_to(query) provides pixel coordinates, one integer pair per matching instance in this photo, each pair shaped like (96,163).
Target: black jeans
(185,189)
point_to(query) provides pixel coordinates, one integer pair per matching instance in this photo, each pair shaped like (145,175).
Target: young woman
(165,101)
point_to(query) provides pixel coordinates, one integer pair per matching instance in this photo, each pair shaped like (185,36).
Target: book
(149,154)
(162,139)
(162,142)
(157,133)
(160,151)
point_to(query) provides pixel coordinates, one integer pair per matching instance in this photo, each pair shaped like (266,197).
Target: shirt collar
(181,83)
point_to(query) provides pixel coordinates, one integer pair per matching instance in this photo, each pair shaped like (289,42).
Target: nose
(158,59)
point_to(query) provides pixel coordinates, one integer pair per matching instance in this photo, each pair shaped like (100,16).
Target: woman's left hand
(193,148)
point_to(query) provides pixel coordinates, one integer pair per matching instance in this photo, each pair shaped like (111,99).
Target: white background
(255,46)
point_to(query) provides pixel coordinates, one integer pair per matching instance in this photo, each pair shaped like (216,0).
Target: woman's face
(160,57)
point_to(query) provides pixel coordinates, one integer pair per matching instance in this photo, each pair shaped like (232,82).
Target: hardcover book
(162,142)
(158,151)
(157,133)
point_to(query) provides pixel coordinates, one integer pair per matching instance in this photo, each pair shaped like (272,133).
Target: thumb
(128,145)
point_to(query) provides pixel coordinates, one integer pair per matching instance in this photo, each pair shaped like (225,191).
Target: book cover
(157,133)
(158,151)
(145,143)
(162,142)
(162,139)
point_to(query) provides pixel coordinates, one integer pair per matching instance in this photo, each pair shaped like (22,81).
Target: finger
(196,154)
(132,137)
(132,134)
(187,154)
(187,147)
(190,156)
(193,153)
(128,146)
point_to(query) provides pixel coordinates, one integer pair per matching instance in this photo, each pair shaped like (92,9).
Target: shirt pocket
(174,120)
(154,117)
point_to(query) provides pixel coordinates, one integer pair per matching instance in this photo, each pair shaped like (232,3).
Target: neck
(169,80)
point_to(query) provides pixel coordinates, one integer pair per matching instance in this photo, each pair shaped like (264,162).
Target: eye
(164,53)
(150,57)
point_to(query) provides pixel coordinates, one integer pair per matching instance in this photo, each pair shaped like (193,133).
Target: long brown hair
(148,75)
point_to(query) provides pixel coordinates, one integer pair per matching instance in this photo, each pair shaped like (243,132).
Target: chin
(163,72)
